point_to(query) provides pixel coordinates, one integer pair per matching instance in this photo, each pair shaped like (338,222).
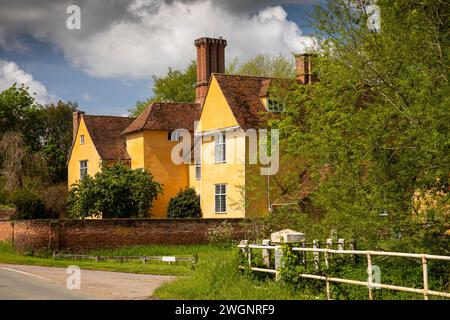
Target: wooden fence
(169,259)
(327,253)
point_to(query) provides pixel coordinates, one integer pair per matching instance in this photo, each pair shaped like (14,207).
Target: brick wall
(82,235)
(5,230)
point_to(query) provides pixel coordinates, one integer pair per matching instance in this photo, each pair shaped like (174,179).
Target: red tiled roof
(243,94)
(166,116)
(105,134)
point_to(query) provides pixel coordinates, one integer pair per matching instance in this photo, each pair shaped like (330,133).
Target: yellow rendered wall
(86,151)
(216,113)
(193,182)
(231,173)
(157,159)
(135,149)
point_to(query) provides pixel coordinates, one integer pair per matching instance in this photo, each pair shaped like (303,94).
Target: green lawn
(215,277)
(8,255)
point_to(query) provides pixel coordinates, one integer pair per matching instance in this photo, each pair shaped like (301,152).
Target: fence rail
(169,259)
(327,255)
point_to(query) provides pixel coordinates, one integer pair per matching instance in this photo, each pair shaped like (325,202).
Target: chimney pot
(76,122)
(304,68)
(210,59)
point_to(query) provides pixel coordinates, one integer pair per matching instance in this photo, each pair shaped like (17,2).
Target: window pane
(223,205)
(198,171)
(217,204)
(223,153)
(220,198)
(83,168)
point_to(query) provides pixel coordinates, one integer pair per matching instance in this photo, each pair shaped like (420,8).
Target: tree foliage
(176,86)
(185,204)
(179,86)
(375,129)
(268,65)
(44,130)
(57,138)
(28,204)
(114,192)
(20,113)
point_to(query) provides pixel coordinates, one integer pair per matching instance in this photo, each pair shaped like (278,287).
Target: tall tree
(376,127)
(176,86)
(268,65)
(179,86)
(20,113)
(57,137)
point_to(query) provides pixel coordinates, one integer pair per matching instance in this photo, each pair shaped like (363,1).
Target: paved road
(44,283)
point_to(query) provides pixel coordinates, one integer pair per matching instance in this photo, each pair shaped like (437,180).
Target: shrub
(55,200)
(4,196)
(114,192)
(185,204)
(28,205)
(221,234)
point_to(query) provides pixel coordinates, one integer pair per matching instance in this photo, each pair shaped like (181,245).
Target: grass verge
(216,275)
(10,256)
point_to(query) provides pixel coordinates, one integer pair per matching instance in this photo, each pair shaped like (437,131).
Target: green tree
(176,86)
(179,86)
(186,204)
(28,205)
(20,113)
(375,129)
(114,192)
(267,65)
(57,137)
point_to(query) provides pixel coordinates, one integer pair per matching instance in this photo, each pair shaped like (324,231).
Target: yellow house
(226,109)
(97,139)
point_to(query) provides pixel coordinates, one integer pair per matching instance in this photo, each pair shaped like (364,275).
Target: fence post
(278,261)
(327,264)
(316,254)
(266,253)
(329,246)
(369,279)
(341,246)
(352,245)
(244,250)
(304,254)
(425,278)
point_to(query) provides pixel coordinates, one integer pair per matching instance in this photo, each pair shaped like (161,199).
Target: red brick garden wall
(5,230)
(82,235)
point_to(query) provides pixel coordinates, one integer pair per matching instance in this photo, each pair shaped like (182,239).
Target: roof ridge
(109,116)
(150,107)
(249,76)
(159,102)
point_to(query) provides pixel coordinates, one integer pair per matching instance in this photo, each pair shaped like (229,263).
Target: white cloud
(135,39)
(10,73)
(157,40)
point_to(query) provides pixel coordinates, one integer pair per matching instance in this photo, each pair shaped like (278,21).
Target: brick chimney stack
(76,121)
(304,68)
(210,59)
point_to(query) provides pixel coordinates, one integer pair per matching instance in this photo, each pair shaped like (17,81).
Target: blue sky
(111,81)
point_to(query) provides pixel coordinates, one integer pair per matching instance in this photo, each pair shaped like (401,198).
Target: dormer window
(275,105)
(82,139)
